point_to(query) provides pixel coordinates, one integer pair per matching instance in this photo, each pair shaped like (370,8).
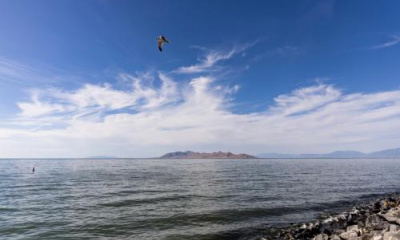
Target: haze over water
(179,199)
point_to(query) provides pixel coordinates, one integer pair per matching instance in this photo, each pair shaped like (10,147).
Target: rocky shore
(378,220)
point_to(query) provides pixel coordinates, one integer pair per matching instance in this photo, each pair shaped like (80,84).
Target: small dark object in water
(33,170)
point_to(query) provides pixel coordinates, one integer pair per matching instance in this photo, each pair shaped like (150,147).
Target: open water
(179,199)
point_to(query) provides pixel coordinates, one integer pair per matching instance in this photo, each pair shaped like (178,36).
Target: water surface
(179,199)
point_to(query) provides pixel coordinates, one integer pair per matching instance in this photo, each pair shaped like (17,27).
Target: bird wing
(165,40)
(160,42)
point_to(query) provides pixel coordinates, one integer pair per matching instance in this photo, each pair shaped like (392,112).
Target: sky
(85,78)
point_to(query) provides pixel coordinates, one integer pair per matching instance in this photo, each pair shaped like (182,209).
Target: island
(199,155)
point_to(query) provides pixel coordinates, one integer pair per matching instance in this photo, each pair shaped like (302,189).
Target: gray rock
(321,237)
(289,237)
(348,235)
(343,216)
(376,207)
(374,222)
(326,227)
(338,225)
(380,221)
(393,228)
(338,231)
(377,237)
(367,236)
(363,231)
(392,216)
(361,224)
(334,237)
(353,228)
(391,235)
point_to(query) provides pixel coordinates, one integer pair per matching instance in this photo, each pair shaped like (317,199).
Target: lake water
(179,199)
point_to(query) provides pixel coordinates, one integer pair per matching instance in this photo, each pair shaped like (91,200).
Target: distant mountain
(198,155)
(277,155)
(336,154)
(101,157)
(345,154)
(390,153)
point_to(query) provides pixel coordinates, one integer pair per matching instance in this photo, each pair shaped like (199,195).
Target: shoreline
(377,220)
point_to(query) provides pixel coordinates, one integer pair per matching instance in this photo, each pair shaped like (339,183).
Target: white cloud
(156,114)
(306,99)
(209,61)
(36,108)
(394,41)
(197,116)
(12,72)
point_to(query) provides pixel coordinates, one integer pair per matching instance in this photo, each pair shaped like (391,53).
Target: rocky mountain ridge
(199,155)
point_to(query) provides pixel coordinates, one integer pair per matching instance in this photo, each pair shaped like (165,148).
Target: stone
(344,235)
(391,235)
(348,235)
(392,216)
(374,222)
(353,228)
(326,227)
(376,207)
(339,224)
(377,237)
(343,216)
(289,237)
(321,237)
(393,228)
(334,237)
(362,231)
(389,203)
(367,236)
(361,224)
(303,234)
(380,221)
(338,231)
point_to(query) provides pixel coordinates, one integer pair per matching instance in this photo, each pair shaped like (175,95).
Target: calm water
(178,199)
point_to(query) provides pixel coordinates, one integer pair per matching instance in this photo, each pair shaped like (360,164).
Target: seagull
(160,41)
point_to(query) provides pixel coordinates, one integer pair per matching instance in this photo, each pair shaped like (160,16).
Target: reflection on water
(178,199)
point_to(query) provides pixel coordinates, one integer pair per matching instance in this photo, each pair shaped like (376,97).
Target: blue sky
(82,78)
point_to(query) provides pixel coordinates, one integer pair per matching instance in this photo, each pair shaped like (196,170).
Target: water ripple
(179,199)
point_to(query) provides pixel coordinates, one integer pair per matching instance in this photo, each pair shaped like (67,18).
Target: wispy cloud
(285,51)
(306,99)
(156,113)
(392,42)
(211,58)
(13,72)
(141,122)
(95,99)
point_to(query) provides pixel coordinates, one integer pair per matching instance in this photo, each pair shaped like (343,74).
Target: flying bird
(160,41)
